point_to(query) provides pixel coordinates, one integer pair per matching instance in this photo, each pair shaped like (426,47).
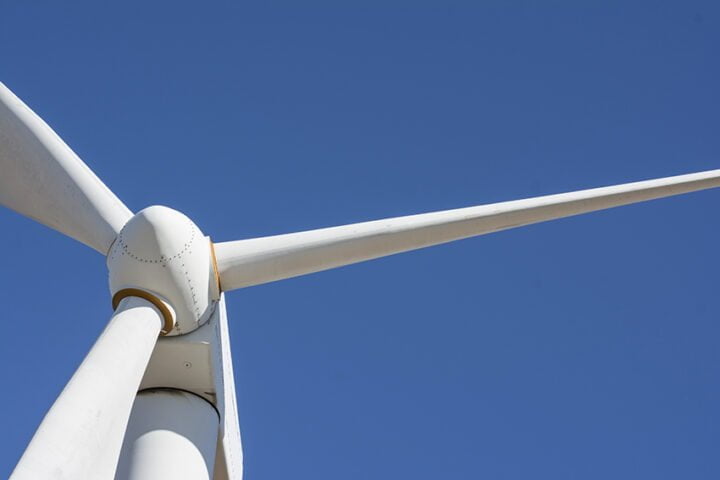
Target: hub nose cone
(157,234)
(162,252)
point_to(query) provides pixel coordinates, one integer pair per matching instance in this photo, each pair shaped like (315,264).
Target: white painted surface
(162,251)
(171,435)
(244,263)
(230,459)
(81,435)
(201,363)
(42,178)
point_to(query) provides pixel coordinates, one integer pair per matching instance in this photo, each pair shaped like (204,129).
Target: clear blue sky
(581,348)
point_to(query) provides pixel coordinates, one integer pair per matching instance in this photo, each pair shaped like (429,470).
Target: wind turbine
(154,397)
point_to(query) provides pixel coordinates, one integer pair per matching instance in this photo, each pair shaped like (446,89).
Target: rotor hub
(163,253)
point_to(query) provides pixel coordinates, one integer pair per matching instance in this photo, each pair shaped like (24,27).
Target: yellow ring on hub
(159,304)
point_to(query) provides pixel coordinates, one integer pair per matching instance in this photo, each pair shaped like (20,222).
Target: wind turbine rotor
(166,279)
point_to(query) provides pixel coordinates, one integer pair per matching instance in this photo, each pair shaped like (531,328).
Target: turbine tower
(154,397)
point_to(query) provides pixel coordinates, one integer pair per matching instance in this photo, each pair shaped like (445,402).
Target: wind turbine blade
(81,435)
(42,178)
(249,262)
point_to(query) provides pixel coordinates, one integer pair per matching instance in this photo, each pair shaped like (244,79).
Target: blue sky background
(580,348)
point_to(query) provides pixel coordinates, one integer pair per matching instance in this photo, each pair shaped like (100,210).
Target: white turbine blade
(42,178)
(81,435)
(244,263)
